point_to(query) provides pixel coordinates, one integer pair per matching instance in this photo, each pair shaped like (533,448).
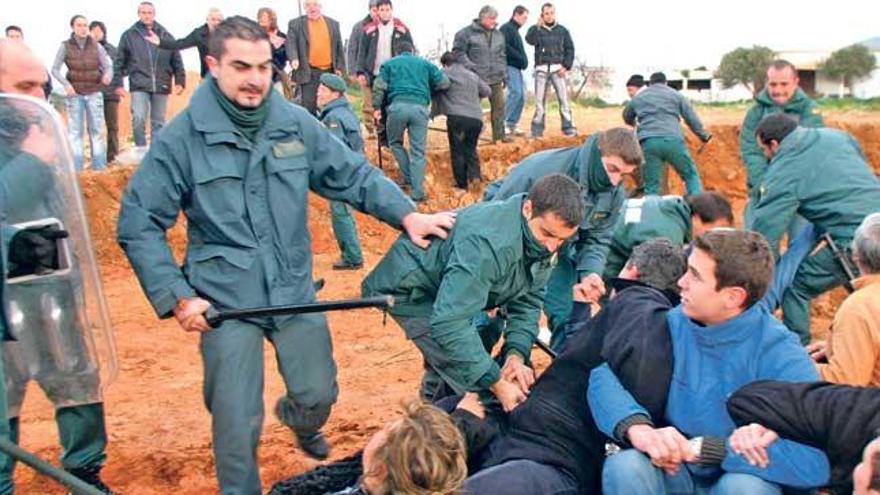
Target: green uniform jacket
(603,202)
(245,204)
(407,78)
(801,107)
(343,123)
(821,175)
(644,219)
(490,259)
(657,112)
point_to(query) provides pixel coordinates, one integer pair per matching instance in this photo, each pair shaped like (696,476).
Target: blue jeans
(143,103)
(542,80)
(631,471)
(88,108)
(515,97)
(521,477)
(787,266)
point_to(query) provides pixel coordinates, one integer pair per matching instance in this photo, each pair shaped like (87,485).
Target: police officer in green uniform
(676,218)
(402,93)
(781,95)
(240,161)
(820,174)
(498,254)
(658,110)
(47,334)
(337,115)
(598,166)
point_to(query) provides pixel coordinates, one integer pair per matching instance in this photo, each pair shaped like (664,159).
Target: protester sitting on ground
(721,340)
(838,419)
(853,346)
(464,117)
(424,452)
(552,444)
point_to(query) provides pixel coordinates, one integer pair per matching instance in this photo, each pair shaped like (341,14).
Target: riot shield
(58,315)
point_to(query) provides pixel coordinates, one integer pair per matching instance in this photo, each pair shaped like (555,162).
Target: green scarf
(596,177)
(247,120)
(532,249)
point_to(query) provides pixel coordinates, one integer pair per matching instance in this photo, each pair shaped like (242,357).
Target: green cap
(333,82)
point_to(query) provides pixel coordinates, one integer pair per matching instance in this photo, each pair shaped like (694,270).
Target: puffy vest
(83,66)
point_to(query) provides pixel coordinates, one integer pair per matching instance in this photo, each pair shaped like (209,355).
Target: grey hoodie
(464,94)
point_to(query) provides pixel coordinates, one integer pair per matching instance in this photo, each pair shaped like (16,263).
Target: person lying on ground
(853,347)
(721,340)
(552,443)
(838,419)
(423,452)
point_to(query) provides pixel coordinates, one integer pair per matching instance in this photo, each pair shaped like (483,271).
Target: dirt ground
(159,429)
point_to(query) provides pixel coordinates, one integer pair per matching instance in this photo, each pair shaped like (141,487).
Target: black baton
(215,318)
(843,261)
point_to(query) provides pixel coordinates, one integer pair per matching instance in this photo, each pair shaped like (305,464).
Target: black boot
(314,445)
(92,475)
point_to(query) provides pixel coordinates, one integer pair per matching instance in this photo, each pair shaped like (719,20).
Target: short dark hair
(742,259)
(449,58)
(636,80)
(775,128)
(622,142)
(379,3)
(657,78)
(546,4)
(99,24)
(404,46)
(77,16)
(710,206)
(237,27)
(519,10)
(558,194)
(660,263)
(781,63)
(13,27)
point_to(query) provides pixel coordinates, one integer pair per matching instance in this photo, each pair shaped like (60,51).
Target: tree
(850,64)
(747,66)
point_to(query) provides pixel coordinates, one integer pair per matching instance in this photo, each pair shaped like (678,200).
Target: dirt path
(159,429)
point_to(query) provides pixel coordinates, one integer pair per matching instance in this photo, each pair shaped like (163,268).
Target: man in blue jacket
(721,340)
(517,61)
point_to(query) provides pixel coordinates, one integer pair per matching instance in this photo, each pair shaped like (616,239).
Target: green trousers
(661,150)
(83,437)
(412,118)
(816,275)
(345,230)
(558,300)
(233,389)
(6,485)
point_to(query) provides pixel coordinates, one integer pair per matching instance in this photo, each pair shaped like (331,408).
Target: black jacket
(553,45)
(298,47)
(197,38)
(555,425)
(109,91)
(149,68)
(839,419)
(516,53)
(369,44)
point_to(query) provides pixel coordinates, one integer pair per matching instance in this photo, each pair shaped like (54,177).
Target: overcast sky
(634,34)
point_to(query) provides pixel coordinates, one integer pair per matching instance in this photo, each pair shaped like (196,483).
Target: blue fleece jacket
(710,363)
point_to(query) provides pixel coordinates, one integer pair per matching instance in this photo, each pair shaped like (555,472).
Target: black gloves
(35,250)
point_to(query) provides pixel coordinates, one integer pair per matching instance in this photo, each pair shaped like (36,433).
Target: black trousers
(111,120)
(463,134)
